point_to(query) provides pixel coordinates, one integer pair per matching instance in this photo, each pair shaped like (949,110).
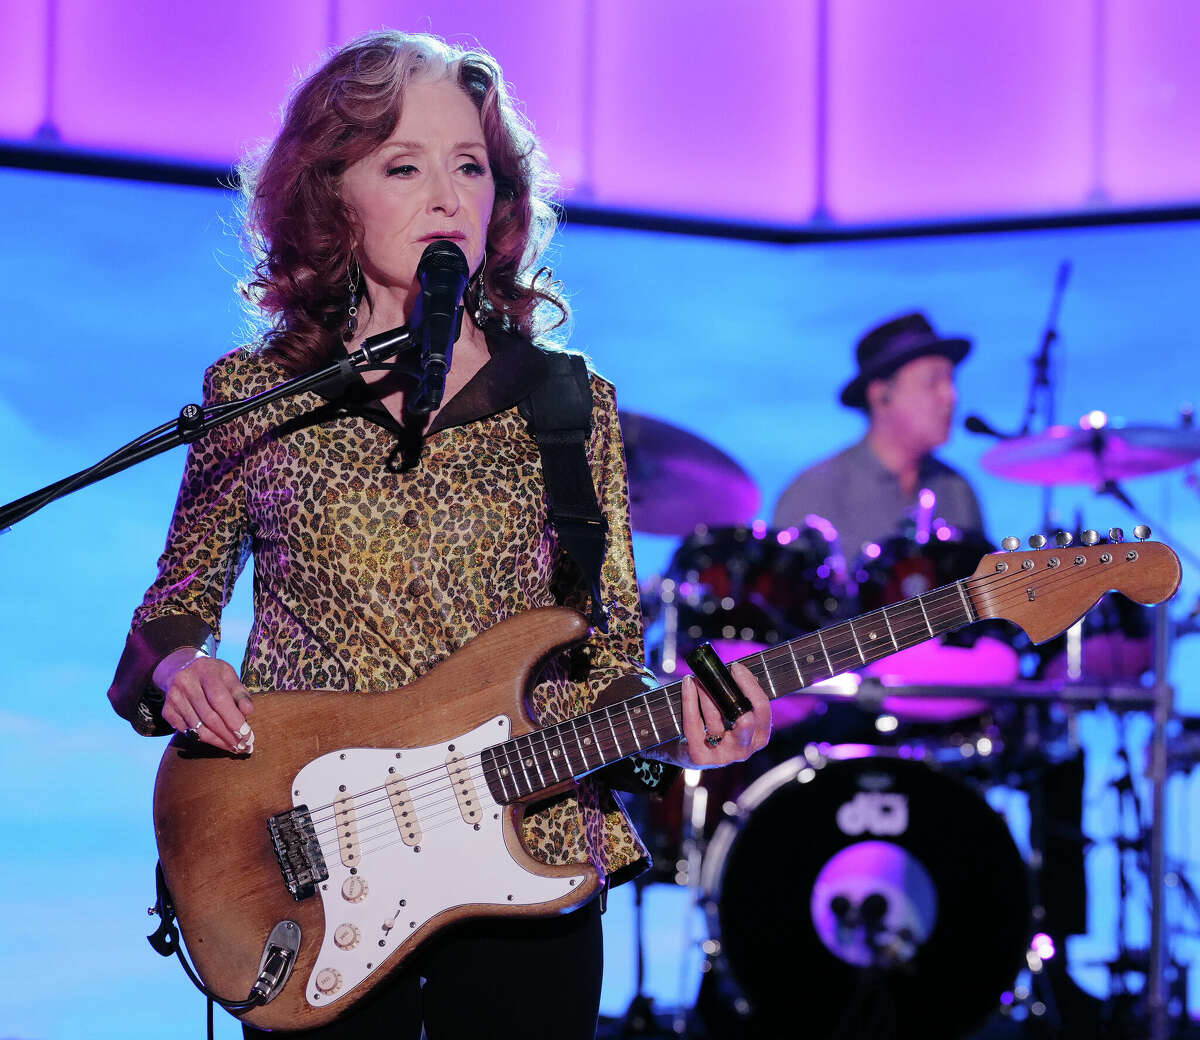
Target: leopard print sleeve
(206,548)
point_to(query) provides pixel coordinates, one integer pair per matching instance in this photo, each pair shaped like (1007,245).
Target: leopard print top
(365,578)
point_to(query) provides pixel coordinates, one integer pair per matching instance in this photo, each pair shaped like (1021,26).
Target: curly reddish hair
(300,233)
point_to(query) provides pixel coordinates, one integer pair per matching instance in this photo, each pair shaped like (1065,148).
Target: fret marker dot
(874,635)
(556,752)
(504,770)
(810,659)
(529,761)
(587,740)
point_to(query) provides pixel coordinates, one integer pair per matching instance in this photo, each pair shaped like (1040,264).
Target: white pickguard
(455,861)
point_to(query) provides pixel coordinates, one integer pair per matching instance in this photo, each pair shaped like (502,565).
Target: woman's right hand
(205,697)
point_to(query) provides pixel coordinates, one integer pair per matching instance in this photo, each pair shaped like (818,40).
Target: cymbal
(678,480)
(1069,455)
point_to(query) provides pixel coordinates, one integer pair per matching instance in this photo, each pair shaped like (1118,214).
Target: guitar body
(422,846)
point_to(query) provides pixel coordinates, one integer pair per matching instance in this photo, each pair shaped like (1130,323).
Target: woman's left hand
(707,743)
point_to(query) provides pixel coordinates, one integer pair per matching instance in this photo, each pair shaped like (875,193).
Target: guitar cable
(165,941)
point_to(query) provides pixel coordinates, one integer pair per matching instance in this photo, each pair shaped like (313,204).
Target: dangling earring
(352,310)
(480,292)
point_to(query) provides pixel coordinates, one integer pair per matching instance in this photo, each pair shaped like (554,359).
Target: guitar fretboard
(523,766)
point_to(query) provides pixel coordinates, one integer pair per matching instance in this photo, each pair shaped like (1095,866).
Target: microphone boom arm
(194,421)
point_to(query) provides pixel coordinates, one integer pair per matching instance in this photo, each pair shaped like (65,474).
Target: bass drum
(856,891)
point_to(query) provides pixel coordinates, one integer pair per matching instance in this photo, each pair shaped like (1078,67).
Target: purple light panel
(706,108)
(22,68)
(197,81)
(931,110)
(939,108)
(1151,120)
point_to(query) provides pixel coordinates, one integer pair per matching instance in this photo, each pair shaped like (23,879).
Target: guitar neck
(537,761)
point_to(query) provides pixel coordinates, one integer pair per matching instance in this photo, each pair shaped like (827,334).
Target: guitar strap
(559,414)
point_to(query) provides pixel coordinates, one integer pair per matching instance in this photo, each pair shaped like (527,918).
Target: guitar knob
(1115,534)
(1090,537)
(354,889)
(329,980)
(1011,543)
(1141,532)
(1063,538)
(347,936)
(1037,541)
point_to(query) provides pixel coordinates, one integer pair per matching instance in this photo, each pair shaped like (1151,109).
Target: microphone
(437,319)
(978,425)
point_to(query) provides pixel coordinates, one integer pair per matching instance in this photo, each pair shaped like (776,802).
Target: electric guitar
(365,823)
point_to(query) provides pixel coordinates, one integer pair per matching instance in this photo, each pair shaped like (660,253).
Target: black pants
(486,980)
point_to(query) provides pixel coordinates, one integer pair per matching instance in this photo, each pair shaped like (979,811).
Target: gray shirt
(855,492)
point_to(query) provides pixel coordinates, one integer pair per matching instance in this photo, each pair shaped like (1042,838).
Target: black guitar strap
(559,414)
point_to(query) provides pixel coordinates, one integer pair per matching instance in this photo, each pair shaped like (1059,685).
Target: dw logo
(874,812)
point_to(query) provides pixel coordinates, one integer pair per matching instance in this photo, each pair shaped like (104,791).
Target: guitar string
(1022,578)
(948,594)
(366,837)
(609,714)
(430,811)
(1000,597)
(618,712)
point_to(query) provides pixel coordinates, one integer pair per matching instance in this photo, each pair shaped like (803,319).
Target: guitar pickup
(347,831)
(464,787)
(299,853)
(406,812)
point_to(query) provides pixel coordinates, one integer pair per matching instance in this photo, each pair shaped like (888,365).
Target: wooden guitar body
(219,860)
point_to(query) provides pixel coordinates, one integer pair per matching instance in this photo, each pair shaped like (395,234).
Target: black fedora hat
(888,347)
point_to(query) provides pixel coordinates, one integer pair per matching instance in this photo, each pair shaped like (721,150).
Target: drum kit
(854,877)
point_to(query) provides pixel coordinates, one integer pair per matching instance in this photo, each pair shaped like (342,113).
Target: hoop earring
(352,309)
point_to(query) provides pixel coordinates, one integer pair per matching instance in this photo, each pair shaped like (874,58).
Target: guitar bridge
(298,851)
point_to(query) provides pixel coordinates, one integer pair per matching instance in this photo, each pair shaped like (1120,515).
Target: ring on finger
(192,731)
(713,739)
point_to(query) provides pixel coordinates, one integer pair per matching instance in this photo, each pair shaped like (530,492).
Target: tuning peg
(1090,537)
(1011,543)
(1115,534)
(1063,538)
(1141,532)
(1037,541)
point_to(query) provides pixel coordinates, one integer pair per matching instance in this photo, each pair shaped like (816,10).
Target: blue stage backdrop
(115,296)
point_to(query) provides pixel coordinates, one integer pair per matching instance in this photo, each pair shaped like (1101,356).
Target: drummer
(873,490)
(905,387)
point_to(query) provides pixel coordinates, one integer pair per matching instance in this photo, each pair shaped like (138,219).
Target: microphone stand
(1041,384)
(194,421)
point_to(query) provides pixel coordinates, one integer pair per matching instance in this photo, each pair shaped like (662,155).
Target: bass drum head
(864,890)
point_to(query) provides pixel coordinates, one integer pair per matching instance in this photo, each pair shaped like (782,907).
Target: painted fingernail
(245,730)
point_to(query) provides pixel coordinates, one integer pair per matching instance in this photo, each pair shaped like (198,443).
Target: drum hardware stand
(1164,704)
(1042,382)
(639,1016)
(695,813)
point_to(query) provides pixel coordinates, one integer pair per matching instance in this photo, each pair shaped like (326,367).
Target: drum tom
(856,883)
(744,589)
(1115,645)
(980,655)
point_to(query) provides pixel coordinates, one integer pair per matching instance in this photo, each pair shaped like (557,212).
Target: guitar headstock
(1046,590)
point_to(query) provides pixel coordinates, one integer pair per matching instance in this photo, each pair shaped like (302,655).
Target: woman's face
(429,180)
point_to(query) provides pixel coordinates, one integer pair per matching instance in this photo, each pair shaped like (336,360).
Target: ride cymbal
(1069,455)
(678,480)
